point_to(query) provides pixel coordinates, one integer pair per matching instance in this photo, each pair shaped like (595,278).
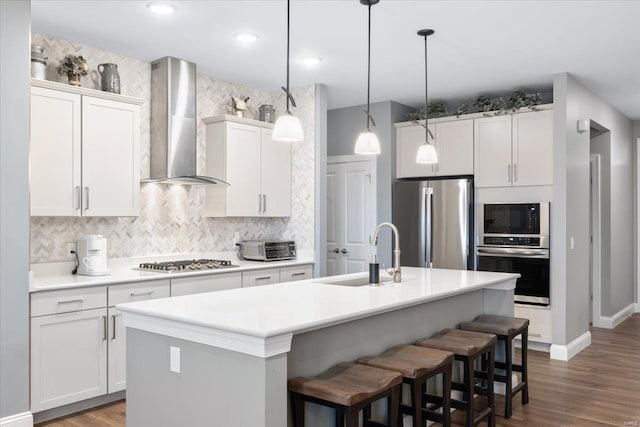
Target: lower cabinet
(78,342)
(297,272)
(206,283)
(540,329)
(264,276)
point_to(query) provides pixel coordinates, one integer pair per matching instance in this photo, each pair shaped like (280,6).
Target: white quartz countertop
(296,307)
(126,274)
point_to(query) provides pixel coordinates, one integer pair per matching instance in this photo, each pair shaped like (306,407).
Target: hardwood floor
(598,387)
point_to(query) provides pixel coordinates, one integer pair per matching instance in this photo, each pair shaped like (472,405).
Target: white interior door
(350,214)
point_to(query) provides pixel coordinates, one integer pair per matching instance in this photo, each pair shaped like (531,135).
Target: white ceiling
(480,47)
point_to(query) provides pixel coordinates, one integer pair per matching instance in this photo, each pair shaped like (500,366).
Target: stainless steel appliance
(173,123)
(185,266)
(435,221)
(92,255)
(514,238)
(267,250)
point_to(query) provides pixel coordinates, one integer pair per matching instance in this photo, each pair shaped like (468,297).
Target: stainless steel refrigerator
(435,221)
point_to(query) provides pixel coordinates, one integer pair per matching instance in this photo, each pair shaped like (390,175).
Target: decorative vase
(109,78)
(38,62)
(74,79)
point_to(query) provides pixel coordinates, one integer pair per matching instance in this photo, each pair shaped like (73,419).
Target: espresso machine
(92,255)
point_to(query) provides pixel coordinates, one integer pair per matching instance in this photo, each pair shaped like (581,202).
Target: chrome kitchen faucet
(395,271)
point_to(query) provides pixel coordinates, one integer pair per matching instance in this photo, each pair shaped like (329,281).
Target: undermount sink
(359,281)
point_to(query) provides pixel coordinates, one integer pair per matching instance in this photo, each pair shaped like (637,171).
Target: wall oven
(514,238)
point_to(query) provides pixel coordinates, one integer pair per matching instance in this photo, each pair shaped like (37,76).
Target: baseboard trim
(566,352)
(637,307)
(619,317)
(24,419)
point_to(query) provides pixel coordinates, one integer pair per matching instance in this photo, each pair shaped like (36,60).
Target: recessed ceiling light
(246,37)
(311,61)
(161,7)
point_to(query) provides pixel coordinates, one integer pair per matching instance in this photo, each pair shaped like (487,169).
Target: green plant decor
(436,109)
(416,116)
(74,65)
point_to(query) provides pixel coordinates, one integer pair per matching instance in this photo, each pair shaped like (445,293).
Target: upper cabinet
(258,169)
(453,142)
(84,153)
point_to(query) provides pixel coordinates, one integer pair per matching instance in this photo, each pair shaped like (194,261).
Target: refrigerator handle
(428,224)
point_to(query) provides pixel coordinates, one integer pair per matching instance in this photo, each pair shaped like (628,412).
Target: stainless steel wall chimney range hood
(173,123)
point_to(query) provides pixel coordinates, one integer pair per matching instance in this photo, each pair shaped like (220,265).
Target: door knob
(344,251)
(336,251)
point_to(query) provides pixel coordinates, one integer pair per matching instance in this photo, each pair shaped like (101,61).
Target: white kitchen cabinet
(85,152)
(514,150)
(119,294)
(258,169)
(540,329)
(205,283)
(298,272)
(68,358)
(265,276)
(453,143)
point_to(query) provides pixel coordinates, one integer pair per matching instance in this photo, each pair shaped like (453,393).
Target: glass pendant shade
(367,143)
(287,129)
(427,155)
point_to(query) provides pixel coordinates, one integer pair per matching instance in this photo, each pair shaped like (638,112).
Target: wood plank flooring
(598,387)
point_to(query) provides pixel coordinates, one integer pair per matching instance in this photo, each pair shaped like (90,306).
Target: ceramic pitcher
(110,79)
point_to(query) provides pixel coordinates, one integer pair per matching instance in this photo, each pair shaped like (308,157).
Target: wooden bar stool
(469,347)
(417,365)
(506,329)
(348,388)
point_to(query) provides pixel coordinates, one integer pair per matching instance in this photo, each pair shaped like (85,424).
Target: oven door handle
(508,252)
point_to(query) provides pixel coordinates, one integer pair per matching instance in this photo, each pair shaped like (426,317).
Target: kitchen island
(224,358)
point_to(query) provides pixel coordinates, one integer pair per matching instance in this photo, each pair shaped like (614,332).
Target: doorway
(351,213)
(595,274)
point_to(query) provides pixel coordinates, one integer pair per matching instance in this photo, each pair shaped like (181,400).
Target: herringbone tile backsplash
(170,218)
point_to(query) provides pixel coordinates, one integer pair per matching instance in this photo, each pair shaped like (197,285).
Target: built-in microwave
(514,238)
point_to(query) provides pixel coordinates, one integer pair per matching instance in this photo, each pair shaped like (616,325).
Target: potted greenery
(73,67)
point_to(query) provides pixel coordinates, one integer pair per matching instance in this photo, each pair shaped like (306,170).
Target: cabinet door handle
(264,203)
(113,326)
(78,198)
(263,278)
(139,294)
(104,328)
(69,301)
(86,190)
(515,173)
(297,274)
(259,203)
(509,172)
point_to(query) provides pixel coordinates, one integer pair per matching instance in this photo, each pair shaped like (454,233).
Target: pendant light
(426,153)
(288,127)
(367,142)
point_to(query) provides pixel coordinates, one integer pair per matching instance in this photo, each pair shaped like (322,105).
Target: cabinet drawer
(539,322)
(138,291)
(67,300)
(302,272)
(265,276)
(208,283)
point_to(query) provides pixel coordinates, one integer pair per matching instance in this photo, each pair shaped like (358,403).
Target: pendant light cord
(288,25)
(369,72)
(426,92)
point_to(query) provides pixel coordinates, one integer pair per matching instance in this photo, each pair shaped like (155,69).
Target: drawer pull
(139,294)
(534,334)
(69,301)
(263,278)
(297,274)
(113,325)
(104,328)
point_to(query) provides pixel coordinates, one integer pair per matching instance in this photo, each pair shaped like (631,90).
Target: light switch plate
(174,359)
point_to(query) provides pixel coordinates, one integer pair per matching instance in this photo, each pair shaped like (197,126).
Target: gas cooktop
(185,266)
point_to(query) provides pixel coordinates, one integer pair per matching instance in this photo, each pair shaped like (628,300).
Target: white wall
(636,212)
(573,101)
(14,207)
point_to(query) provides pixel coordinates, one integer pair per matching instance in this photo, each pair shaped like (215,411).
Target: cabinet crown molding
(236,119)
(48,84)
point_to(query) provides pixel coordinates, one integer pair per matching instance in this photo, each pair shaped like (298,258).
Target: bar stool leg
(366,414)
(353,417)
(446,396)
(469,381)
(297,406)
(525,379)
(416,397)
(339,417)
(508,355)
(490,396)
(393,406)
